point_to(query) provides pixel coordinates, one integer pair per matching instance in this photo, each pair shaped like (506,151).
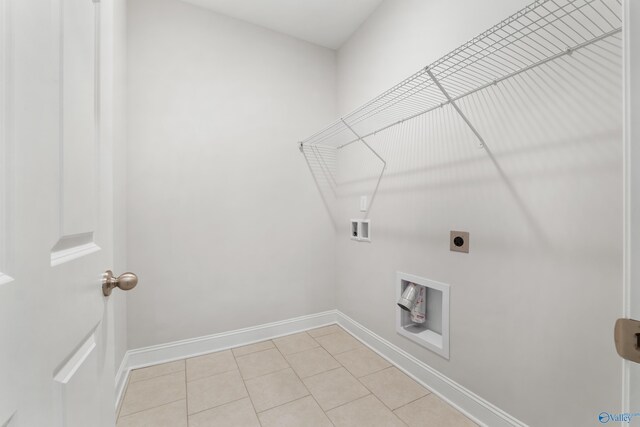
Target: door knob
(125,281)
(627,339)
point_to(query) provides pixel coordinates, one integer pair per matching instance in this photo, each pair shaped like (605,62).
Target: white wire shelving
(541,32)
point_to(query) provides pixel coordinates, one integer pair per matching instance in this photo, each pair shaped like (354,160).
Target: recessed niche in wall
(433,334)
(365,230)
(354,229)
(360,230)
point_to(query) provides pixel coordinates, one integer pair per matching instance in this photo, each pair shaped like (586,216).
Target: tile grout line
(367,388)
(264,375)
(246,390)
(409,403)
(217,406)
(244,383)
(186,399)
(186,393)
(251,352)
(305,386)
(309,394)
(318,345)
(158,376)
(153,407)
(237,368)
(351,401)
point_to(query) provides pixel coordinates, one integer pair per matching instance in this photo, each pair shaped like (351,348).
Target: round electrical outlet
(458,241)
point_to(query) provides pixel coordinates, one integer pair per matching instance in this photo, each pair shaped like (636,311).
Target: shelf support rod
(384,163)
(455,106)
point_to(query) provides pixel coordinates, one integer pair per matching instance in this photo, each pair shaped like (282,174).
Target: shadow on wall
(555,121)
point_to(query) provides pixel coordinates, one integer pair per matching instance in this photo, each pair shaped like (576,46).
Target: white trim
(142,357)
(473,406)
(66,255)
(75,362)
(122,379)
(629,211)
(465,401)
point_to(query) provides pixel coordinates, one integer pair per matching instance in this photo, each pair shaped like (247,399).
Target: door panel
(5,139)
(74,406)
(56,329)
(632,193)
(9,354)
(79,131)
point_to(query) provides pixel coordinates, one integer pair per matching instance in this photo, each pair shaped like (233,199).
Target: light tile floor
(322,377)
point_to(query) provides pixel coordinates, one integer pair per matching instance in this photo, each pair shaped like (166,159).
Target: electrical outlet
(459,241)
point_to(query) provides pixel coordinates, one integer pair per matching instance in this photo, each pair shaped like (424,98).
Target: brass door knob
(126,282)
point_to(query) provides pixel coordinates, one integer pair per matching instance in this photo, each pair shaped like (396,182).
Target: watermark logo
(624,417)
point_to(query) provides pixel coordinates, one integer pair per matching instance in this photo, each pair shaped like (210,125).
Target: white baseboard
(473,406)
(467,402)
(162,353)
(122,377)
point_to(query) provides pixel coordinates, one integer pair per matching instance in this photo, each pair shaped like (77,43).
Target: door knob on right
(627,339)
(125,281)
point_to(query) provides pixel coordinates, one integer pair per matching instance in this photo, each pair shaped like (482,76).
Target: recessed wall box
(459,241)
(361,230)
(354,229)
(433,333)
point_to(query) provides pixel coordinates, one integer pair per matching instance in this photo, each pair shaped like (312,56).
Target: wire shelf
(537,34)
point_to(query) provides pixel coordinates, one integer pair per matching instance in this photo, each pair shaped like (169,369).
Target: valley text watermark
(623,417)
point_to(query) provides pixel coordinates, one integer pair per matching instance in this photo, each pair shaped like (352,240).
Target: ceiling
(327,23)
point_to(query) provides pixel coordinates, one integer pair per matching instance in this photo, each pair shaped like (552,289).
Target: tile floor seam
(217,406)
(153,407)
(211,375)
(300,398)
(377,397)
(300,351)
(409,403)
(280,370)
(274,372)
(336,333)
(328,370)
(120,416)
(326,326)
(341,366)
(351,401)
(282,404)
(253,406)
(186,393)
(313,397)
(246,390)
(255,352)
(159,376)
(308,391)
(252,352)
(362,376)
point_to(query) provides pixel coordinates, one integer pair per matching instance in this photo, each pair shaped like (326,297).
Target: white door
(631,389)
(56,356)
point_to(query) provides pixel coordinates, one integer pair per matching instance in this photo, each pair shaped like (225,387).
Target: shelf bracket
(384,163)
(455,106)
